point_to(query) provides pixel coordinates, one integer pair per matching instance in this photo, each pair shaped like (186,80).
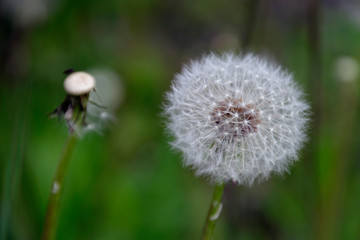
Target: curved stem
(214,212)
(56,189)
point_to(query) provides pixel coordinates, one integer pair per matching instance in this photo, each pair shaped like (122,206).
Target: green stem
(214,212)
(52,211)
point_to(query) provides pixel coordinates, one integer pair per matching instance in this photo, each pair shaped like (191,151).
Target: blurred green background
(127,183)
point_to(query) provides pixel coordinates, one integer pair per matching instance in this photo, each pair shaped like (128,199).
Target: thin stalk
(52,211)
(214,212)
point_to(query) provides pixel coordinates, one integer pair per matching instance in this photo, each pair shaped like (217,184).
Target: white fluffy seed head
(236,118)
(79,83)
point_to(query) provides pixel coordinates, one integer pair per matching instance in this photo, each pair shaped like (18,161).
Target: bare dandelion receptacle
(79,83)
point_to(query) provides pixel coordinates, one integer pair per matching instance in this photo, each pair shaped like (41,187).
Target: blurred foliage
(128,183)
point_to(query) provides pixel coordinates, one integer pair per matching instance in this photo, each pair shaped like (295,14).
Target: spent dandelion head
(74,109)
(236,118)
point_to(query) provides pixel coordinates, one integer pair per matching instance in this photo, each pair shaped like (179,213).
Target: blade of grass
(14,162)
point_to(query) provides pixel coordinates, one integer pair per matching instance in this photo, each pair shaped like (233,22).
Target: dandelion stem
(214,212)
(52,211)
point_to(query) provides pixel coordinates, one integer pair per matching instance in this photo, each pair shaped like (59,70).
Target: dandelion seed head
(248,122)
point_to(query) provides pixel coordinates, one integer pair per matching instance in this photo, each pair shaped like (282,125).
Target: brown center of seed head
(235,118)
